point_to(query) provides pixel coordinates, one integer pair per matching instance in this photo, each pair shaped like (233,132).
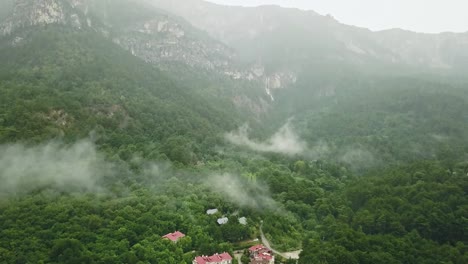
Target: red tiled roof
(260,254)
(213,259)
(264,256)
(258,247)
(174,236)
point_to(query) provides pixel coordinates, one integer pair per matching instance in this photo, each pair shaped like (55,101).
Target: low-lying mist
(242,192)
(75,167)
(284,141)
(81,168)
(287,142)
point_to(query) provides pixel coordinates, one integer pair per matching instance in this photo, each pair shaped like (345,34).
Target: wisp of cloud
(284,141)
(77,167)
(241,192)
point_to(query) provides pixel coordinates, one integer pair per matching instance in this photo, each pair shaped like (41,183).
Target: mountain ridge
(155,36)
(228,23)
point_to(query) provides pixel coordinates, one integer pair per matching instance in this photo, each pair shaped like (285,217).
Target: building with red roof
(223,258)
(174,237)
(256,248)
(259,254)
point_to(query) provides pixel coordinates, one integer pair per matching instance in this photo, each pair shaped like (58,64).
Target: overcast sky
(431,16)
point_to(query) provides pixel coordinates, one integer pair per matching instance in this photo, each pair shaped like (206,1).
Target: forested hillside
(121,122)
(394,120)
(65,84)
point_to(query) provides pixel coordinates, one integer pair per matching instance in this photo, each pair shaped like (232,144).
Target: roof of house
(222,221)
(257,247)
(261,253)
(263,256)
(174,236)
(243,221)
(213,259)
(211,211)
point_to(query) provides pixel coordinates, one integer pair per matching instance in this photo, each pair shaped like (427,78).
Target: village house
(260,254)
(223,258)
(174,237)
(243,221)
(222,221)
(211,211)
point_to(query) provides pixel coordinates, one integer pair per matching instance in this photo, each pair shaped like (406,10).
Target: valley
(123,121)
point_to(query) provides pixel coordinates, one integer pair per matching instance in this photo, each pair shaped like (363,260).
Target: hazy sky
(430,16)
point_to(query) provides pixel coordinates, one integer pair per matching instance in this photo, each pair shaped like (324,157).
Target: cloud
(78,167)
(358,158)
(319,150)
(284,141)
(241,192)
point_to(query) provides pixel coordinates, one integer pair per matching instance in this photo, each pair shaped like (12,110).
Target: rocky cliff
(154,35)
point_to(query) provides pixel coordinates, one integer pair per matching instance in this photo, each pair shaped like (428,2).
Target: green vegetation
(410,214)
(115,227)
(62,84)
(383,179)
(382,120)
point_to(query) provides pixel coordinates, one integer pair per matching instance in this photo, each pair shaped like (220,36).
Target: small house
(223,258)
(211,211)
(174,237)
(243,221)
(260,254)
(222,221)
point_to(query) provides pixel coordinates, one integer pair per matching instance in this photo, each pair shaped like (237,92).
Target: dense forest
(79,82)
(102,153)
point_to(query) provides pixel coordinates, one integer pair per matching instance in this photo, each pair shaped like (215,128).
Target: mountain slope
(183,51)
(60,82)
(381,178)
(360,93)
(157,37)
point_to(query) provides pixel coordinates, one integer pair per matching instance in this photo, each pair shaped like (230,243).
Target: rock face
(157,37)
(152,34)
(160,40)
(269,48)
(27,13)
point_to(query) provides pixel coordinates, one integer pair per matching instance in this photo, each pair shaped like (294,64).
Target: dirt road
(286,255)
(238,256)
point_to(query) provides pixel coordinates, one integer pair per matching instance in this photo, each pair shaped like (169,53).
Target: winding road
(238,256)
(286,255)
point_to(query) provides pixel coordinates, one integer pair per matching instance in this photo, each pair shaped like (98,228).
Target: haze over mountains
(134,117)
(417,15)
(266,66)
(270,45)
(312,30)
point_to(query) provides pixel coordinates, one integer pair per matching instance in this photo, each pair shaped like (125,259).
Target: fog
(241,192)
(429,16)
(5,8)
(81,168)
(287,142)
(284,141)
(357,157)
(78,167)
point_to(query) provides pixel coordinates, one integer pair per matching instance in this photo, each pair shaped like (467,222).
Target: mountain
(62,77)
(158,38)
(292,63)
(175,46)
(32,13)
(316,69)
(295,36)
(125,120)
(148,33)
